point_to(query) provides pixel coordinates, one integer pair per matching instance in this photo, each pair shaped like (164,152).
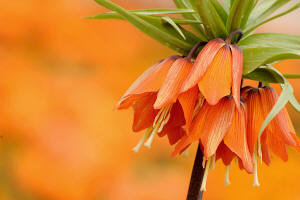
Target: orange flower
(217,71)
(158,105)
(278,134)
(220,126)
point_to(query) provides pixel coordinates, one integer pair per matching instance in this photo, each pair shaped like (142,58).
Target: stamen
(203,186)
(185,153)
(203,162)
(226,180)
(259,150)
(160,121)
(213,163)
(145,136)
(150,139)
(199,104)
(256,183)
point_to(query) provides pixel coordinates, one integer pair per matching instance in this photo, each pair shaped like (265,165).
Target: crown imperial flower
(217,71)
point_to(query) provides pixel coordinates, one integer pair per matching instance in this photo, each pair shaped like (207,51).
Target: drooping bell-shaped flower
(217,125)
(217,71)
(278,134)
(158,104)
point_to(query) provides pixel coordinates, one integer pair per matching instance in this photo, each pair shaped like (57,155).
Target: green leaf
(263,10)
(184,4)
(265,75)
(114,15)
(234,19)
(271,40)
(226,5)
(253,26)
(293,101)
(160,11)
(163,34)
(174,25)
(249,7)
(222,13)
(211,20)
(258,56)
(292,76)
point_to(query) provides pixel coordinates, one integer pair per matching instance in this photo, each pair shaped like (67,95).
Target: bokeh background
(62,139)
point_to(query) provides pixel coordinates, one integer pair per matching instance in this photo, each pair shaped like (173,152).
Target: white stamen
(160,121)
(213,163)
(203,186)
(227,180)
(256,183)
(259,150)
(150,139)
(145,136)
(185,153)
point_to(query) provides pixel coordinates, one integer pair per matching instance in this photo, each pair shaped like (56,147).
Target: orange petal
(175,134)
(182,145)
(204,59)
(212,123)
(291,127)
(255,117)
(277,145)
(237,70)
(236,140)
(266,156)
(188,101)
(150,81)
(176,117)
(225,154)
(144,113)
(217,80)
(169,91)
(279,124)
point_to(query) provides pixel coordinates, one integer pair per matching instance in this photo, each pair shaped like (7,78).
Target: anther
(207,167)
(226,180)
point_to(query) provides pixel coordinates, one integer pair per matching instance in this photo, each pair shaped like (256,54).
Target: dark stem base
(194,192)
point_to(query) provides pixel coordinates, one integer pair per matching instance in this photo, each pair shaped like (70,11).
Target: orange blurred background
(60,77)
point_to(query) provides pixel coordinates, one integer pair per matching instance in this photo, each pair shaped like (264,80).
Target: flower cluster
(202,101)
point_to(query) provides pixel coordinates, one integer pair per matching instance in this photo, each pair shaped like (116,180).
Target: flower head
(217,71)
(278,134)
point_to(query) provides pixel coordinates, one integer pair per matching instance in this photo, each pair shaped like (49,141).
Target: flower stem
(194,49)
(194,192)
(232,34)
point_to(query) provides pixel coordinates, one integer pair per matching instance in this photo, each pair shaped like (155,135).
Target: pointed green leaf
(184,4)
(226,5)
(221,11)
(253,26)
(293,101)
(249,7)
(292,76)
(214,26)
(271,40)
(174,25)
(258,56)
(263,10)
(235,16)
(114,15)
(265,75)
(155,30)
(161,11)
